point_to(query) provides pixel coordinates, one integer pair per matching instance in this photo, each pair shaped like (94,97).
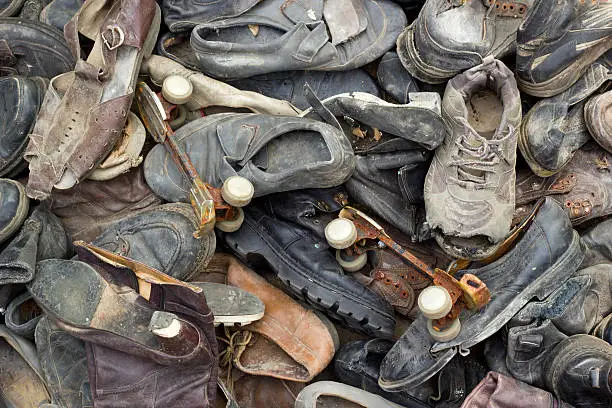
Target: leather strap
(507,8)
(312,43)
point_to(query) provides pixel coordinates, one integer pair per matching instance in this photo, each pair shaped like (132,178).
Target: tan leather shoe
(290,342)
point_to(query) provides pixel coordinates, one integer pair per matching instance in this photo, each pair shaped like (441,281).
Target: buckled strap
(507,8)
(7,58)
(312,43)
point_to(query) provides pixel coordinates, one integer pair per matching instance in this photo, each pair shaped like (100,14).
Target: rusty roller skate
(214,207)
(354,233)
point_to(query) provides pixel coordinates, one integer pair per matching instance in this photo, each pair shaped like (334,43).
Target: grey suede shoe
(281,35)
(469,189)
(555,128)
(162,238)
(451,36)
(547,254)
(275,153)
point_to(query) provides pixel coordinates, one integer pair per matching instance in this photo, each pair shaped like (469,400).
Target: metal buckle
(116,32)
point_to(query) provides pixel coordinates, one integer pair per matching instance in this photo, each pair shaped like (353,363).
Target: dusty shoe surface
(22,98)
(598,119)
(554,128)
(546,254)
(394,79)
(14,205)
(320,36)
(469,189)
(558,41)
(276,153)
(451,36)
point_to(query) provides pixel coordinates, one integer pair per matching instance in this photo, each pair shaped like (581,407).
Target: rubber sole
(75,294)
(20,215)
(315,292)
(566,78)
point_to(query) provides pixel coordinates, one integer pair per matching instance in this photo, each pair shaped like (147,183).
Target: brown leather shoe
(583,187)
(149,337)
(259,391)
(91,205)
(290,342)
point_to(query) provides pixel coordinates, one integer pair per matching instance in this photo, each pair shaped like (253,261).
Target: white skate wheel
(444,335)
(176,89)
(351,265)
(237,191)
(340,233)
(435,302)
(231,225)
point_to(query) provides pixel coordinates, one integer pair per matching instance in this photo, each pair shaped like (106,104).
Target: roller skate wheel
(353,264)
(435,302)
(237,191)
(176,89)
(231,225)
(340,233)
(444,335)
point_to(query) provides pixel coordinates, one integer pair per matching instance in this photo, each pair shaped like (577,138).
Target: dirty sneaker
(469,189)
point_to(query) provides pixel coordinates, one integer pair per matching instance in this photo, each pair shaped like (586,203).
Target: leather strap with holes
(579,208)
(507,8)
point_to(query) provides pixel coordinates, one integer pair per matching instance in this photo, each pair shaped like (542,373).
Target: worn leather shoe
(555,128)
(21,98)
(306,267)
(14,205)
(469,189)
(598,119)
(547,253)
(558,41)
(276,153)
(394,79)
(33,49)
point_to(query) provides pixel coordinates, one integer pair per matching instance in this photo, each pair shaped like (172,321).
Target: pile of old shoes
(305,204)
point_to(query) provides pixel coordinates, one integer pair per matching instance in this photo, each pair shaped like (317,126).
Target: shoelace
(235,342)
(481,156)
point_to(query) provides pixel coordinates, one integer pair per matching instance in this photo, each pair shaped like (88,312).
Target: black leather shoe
(162,238)
(21,98)
(311,208)
(358,363)
(33,49)
(14,205)
(394,79)
(557,42)
(309,271)
(579,371)
(547,254)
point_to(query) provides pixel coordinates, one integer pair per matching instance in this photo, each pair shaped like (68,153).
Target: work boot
(504,391)
(598,119)
(63,361)
(557,42)
(545,255)
(14,205)
(307,269)
(21,98)
(449,37)
(554,128)
(579,371)
(473,170)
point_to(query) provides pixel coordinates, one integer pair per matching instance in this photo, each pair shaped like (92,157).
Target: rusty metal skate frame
(469,292)
(206,200)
